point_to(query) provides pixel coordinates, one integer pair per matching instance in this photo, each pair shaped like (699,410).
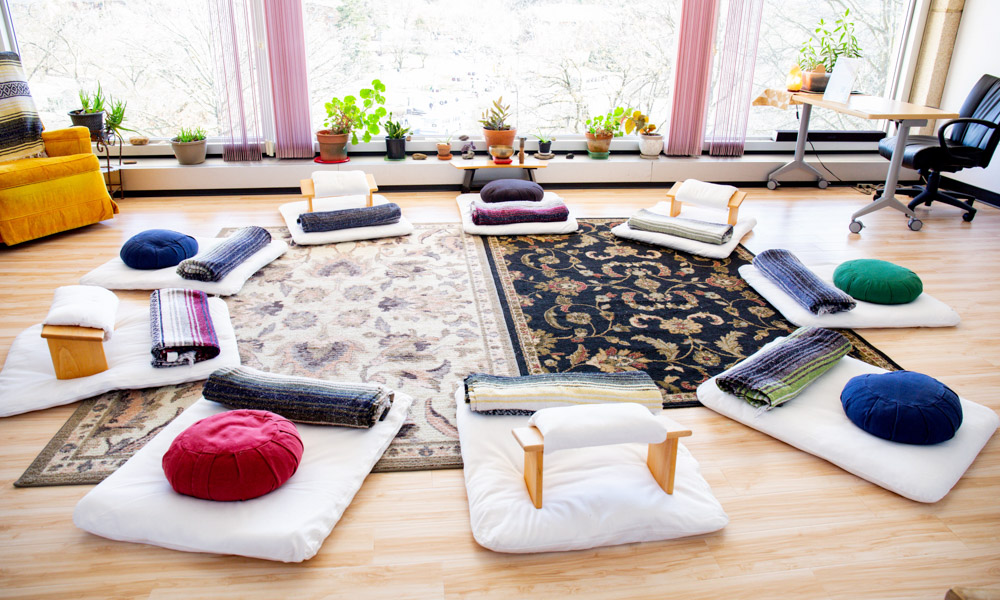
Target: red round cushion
(235,455)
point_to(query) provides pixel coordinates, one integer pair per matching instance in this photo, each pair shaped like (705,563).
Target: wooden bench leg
(662,462)
(533,476)
(467,181)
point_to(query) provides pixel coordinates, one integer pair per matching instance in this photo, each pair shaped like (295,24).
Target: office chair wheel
(914,224)
(772,184)
(855,226)
(969,216)
(823,184)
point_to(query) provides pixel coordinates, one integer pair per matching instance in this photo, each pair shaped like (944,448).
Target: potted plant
(189,146)
(496,130)
(650,144)
(345,118)
(91,113)
(544,143)
(444,149)
(818,55)
(395,139)
(601,129)
(115,118)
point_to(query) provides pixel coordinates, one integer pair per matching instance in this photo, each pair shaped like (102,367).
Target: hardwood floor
(800,527)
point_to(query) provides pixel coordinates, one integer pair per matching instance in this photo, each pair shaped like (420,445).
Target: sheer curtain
(236,50)
(289,86)
(735,82)
(692,76)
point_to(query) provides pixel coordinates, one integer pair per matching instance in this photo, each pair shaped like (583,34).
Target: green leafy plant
(496,116)
(92,103)
(609,124)
(346,115)
(446,140)
(542,138)
(189,135)
(116,116)
(638,122)
(821,51)
(394,129)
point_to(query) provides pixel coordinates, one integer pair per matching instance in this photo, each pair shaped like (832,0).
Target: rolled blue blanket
(218,262)
(498,395)
(786,271)
(180,325)
(781,372)
(300,399)
(332,220)
(691,229)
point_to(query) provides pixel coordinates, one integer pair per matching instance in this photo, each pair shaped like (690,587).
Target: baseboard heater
(789,135)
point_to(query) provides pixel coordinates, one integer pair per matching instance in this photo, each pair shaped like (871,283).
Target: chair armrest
(941,131)
(64,142)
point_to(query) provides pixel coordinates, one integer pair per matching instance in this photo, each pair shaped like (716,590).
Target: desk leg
(529,174)
(888,199)
(467,181)
(798,162)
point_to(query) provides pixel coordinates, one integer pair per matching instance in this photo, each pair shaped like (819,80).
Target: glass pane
(154,54)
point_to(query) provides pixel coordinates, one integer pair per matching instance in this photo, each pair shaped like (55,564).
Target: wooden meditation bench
(309,190)
(734,203)
(76,351)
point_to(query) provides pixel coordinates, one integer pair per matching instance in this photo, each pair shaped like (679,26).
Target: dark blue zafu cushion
(903,406)
(158,249)
(511,190)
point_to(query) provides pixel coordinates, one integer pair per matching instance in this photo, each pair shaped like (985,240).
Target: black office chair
(973,138)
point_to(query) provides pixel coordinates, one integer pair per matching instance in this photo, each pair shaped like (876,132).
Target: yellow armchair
(65,190)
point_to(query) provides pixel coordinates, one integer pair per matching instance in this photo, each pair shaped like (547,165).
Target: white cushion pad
(925,311)
(116,275)
(592,497)
(585,425)
(742,227)
(137,504)
(291,211)
(559,227)
(815,422)
(28,380)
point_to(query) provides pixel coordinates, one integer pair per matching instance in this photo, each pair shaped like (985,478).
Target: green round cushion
(878,281)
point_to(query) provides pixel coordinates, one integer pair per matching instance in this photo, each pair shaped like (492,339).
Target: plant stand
(105,144)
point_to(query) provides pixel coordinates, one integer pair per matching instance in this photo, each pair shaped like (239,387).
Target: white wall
(976,52)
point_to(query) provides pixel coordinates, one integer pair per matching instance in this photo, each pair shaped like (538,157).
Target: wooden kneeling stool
(76,351)
(734,203)
(309,189)
(660,458)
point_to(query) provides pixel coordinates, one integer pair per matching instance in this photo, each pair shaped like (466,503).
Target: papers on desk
(842,80)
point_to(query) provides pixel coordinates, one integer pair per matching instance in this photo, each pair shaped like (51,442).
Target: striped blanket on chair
(498,395)
(20,127)
(181,327)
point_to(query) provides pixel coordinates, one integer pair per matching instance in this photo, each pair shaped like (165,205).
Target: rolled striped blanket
(786,271)
(691,229)
(332,220)
(781,372)
(181,327)
(300,399)
(218,262)
(520,211)
(498,395)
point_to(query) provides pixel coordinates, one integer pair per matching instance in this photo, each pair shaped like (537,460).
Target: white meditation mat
(601,496)
(815,422)
(116,275)
(137,504)
(558,227)
(925,311)
(742,227)
(290,213)
(28,381)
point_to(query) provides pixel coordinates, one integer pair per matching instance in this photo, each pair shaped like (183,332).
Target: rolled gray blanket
(499,395)
(218,262)
(300,399)
(180,325)
(332,220)
(778,374)
(795,279)
(691,229)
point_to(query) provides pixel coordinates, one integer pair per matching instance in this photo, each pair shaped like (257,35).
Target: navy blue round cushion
(511,190)
(158,249)
(903,406)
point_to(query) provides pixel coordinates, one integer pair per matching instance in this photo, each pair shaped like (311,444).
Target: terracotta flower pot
(444,151)
(650,145)
(499,137)
(189,153)
(599,144)
(332,146)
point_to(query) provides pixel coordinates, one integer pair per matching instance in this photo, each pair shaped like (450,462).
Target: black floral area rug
(592,302)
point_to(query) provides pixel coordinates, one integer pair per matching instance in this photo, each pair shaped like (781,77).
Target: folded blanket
(691,229)
(781,372)
(521,211)
(330,184)
(84,306)
(300,399)
(795,279)
(332,220)
(701,193)
(181,327)
(218,262)
(497,395)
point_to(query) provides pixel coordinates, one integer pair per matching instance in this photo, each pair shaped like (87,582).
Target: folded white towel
(585,425)
(330,184)
(84,306)
(697,192)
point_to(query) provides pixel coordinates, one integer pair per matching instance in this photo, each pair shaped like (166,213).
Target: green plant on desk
(820,52)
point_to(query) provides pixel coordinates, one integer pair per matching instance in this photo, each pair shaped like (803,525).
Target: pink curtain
(692,75)
(234,51)
(734,86)
(287,56)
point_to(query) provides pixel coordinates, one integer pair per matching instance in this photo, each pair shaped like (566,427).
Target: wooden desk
(471,166)
(904,114)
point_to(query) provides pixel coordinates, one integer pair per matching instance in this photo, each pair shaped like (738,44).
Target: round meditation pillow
(511,190)
(235,455)
(158,249)
(878,281)
(903,406)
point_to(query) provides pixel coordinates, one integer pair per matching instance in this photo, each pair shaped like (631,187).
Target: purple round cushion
(511,190)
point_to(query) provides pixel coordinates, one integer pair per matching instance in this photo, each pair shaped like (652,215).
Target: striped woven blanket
(218,262)
(300,399)
(181,327)
(795,279)
(691,229)
(520,211)
(20,126)
(498,395)
(332,220)
(778,374)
